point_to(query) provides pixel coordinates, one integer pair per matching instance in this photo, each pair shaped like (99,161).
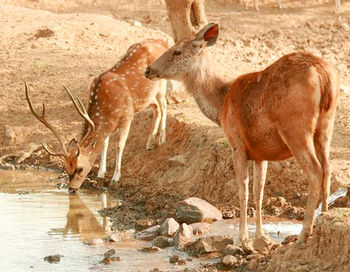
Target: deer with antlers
(115,97)
(285,110)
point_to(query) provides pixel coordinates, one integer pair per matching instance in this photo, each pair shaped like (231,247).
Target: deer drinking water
(285,110)
(115,97)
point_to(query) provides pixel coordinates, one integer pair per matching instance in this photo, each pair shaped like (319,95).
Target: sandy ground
(50,43)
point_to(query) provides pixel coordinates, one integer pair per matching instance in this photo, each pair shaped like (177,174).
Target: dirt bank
(50,43)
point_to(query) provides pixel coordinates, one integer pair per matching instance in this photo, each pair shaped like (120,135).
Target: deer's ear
(208,35)
(73,145)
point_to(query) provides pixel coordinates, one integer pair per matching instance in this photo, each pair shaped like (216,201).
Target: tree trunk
(187,17)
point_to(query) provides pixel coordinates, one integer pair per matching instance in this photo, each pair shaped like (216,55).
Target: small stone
(108,260)
(109,253)
(169,227)
(182,236)
(263,244)
(200,228)
(150,249)
(162,242)
(233,250)
(149,234)
(229,260)
(53,258)
(174,259)
(208,244)
(290,239)
(194,210)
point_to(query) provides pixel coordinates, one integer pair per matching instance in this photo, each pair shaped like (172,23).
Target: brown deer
(115,97)
(285,110)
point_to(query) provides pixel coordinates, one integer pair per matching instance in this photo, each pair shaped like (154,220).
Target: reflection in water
(82,221)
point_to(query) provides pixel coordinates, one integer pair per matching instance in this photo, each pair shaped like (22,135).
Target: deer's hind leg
(322,139)
(301,145)
(163,109)
(102,170)
(155,124)
(122,135)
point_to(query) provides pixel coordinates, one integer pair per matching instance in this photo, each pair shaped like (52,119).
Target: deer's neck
(207,89)
(93,144)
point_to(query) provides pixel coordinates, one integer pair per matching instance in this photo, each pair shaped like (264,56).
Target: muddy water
(38,220)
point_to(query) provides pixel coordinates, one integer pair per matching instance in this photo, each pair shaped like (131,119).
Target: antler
(42,120)
(82,111)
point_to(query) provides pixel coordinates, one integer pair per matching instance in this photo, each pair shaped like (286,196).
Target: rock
(169,227)
(233,250)
(290,239)
(53,258)
(149,234)
(175,259)
(182,235)
(208,244)
(248,247)
(194,210)
(150,249)
(162,242)
(263,244)
(109,253)
(200,228)
(108,260)
(176,161)
(229,260)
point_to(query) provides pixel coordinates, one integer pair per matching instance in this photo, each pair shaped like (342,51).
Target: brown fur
(285,110)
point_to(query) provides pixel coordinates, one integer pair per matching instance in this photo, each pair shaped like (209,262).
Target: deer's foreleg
(260,169)
(102,171)
(240,163)
(163,109)
(155,125)
(122,136)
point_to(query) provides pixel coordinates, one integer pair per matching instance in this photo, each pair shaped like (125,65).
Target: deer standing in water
(115,97)
(285,110)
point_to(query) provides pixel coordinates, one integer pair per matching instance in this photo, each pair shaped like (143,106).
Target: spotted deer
(115,96)
(282,111)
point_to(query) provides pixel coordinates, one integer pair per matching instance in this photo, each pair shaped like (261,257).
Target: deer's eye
(79,170)
(176,53)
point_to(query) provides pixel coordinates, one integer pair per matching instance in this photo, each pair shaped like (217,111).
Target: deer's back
(287,95)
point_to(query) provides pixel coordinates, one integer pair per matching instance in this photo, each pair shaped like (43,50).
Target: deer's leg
(163,109)
(246,4)
(102,171)
(303,149)
(122,135)
(322,140)
(337,5)
(260,169)
(279,2)
(240,164)
(256,4)
(155,125)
